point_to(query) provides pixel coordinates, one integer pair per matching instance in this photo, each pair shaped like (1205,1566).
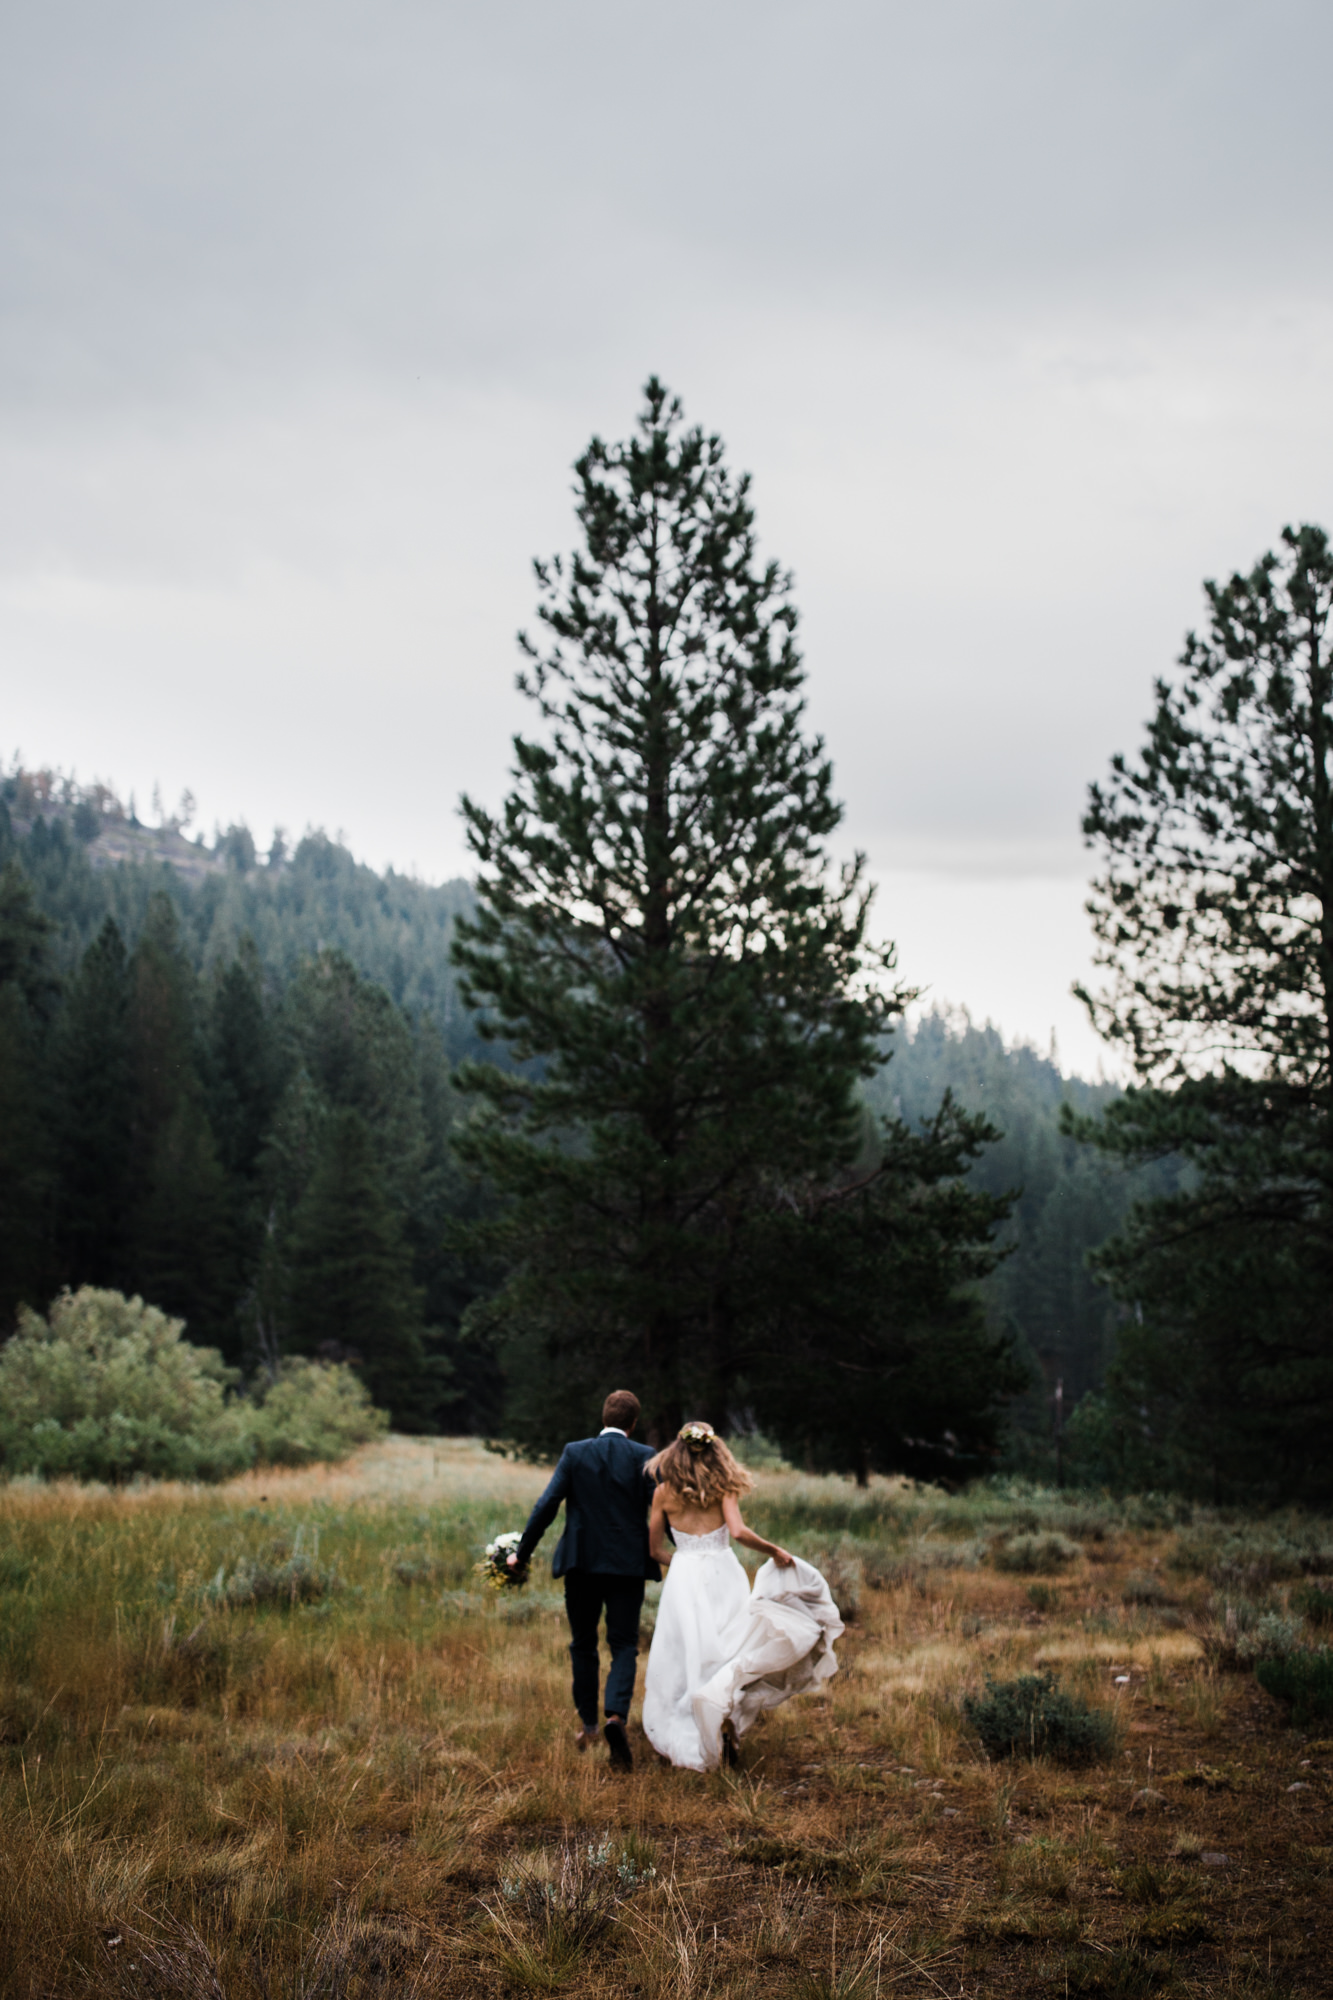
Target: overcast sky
(1020,315)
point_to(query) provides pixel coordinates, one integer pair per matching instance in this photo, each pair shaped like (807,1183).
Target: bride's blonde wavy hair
(698,1466)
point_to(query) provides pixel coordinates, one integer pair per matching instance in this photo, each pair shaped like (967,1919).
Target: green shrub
(1034,1716)
(1141,1587)
(315,1410)
(1315,1602)
(1144,1512)
(1270,1635)
(938,1552)
(1084,1520)
(1243,1632)
(296,1579)
(421,1569)
(1251,1556)
(1304,1680)
(1036,1555)
(106,1388)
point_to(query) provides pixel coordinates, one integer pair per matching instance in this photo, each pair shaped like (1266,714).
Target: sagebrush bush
(1036,1555)
(1304,1680)
(1034,1716)
(1271,1635)
(107,1388)
(928,1552)
(1142,1512)
(1242,1632)
(1142,1587)
(1315,1602)
(1250,1556)
(293,1579)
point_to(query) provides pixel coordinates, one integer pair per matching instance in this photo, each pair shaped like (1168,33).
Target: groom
(603,1557)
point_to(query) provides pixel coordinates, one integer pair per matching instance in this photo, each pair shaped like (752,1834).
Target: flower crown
(697,1433)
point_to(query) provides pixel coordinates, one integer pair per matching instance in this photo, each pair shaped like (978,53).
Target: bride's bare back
(670,1507)
(691,1520)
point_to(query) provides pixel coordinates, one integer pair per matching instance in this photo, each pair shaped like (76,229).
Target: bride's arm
(731,1514)
(659,1548)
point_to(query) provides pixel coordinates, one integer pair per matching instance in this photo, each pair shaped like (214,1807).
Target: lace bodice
(716,1542)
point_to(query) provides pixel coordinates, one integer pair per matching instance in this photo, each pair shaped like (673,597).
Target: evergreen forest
(232,1091)
(232,1096)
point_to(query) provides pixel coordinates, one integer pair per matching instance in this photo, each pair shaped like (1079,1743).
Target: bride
(721,1653)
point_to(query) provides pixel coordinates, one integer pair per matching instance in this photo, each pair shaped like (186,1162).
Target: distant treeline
(229,1090)
(1072,1200)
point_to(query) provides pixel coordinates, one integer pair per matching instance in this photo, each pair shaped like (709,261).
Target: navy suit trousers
(586,1593)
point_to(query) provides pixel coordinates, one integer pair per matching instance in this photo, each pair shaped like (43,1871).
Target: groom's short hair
(621,1409)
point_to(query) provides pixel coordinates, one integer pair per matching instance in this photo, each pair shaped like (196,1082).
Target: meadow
(275,1739)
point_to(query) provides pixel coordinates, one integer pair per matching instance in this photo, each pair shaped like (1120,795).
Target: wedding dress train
(723,1652)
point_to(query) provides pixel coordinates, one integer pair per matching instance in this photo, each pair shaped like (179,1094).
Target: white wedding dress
(723,1652)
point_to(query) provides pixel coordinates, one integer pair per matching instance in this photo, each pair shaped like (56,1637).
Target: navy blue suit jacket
(601,1481)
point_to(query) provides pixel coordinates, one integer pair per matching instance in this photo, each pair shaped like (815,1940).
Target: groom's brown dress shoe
(617,1742)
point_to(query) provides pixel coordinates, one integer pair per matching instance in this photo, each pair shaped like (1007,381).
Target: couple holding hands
(721,1653)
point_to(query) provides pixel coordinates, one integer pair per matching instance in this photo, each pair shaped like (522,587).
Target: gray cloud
(1020,313)
(406,186)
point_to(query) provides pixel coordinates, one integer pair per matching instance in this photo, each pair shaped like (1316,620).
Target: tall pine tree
(93,1065)
(243,1066)
(29,992)
(684,984)
(182,1243)
(868,1347)
(350,1292)
(1214,916)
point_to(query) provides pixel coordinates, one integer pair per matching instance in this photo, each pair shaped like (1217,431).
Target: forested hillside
(1072,1198)
(88,858)
(226,1083)
(228,1090)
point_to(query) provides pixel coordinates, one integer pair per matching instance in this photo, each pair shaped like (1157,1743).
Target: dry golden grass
(369,1786)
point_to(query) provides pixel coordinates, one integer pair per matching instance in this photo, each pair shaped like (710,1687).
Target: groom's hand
(512,1560)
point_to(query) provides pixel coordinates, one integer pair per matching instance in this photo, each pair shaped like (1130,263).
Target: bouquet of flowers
(495,1568)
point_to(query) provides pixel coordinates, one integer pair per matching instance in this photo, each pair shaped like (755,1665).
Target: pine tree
(243,1065)
(93,1066)
(358,1050)
(869,1349)
(25,945)
(182,1253)
(449,1277)
(685,986)
(1215,922)
(29,990)
(350,1291)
